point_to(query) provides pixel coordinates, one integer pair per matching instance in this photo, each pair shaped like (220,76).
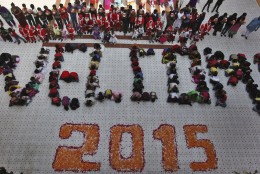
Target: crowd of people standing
(77,19)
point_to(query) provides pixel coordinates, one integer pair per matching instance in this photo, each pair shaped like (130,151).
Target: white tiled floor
(29,136)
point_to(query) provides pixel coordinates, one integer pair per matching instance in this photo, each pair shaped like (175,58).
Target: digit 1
(166,134)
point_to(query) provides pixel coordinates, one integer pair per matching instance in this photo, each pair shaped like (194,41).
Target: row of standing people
(128,20)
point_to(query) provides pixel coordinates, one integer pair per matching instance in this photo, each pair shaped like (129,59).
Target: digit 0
(135,163)
(192,142)
(70,158)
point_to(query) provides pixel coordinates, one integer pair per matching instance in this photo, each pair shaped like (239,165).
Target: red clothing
(87,16)
(107,25)
(92,72)
(71,33)
(14,34)
(31,33)
(132,18)
(239,73)
(158,25)
(118,21)
(74,76)
(56,64)
(150,25)
(109,17)
(241,56)
(205,95)
(119,17)
(101,22)
(26,31)
(81,20)
(139,21)
(135,63)
(21,31)
(196,78)
(90,24)
(114,17)
(212,63)
(163,38)
(65,75)
(70,30)
(58,54)
(171,37)
(224,63)
(63,13)
(233,80)
(56,100)
(60,49)
(136,69)
(193,17)
(53,92)
(42,32)
(223,98)
(175,48)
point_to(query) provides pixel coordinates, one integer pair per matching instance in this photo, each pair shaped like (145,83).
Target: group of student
(228,24)
(67,76)
(22,96)
(239,69)
(215,61)
(60,23)
(77,18)
(200,94)
(138,94)
(93,81)
(170,59)
(236,68)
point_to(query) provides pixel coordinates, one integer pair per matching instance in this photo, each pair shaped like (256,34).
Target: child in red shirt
(16,36)
(64,14)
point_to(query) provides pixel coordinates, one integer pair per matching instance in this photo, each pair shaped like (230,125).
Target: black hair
(66,108)
(32,79)
(27,86)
